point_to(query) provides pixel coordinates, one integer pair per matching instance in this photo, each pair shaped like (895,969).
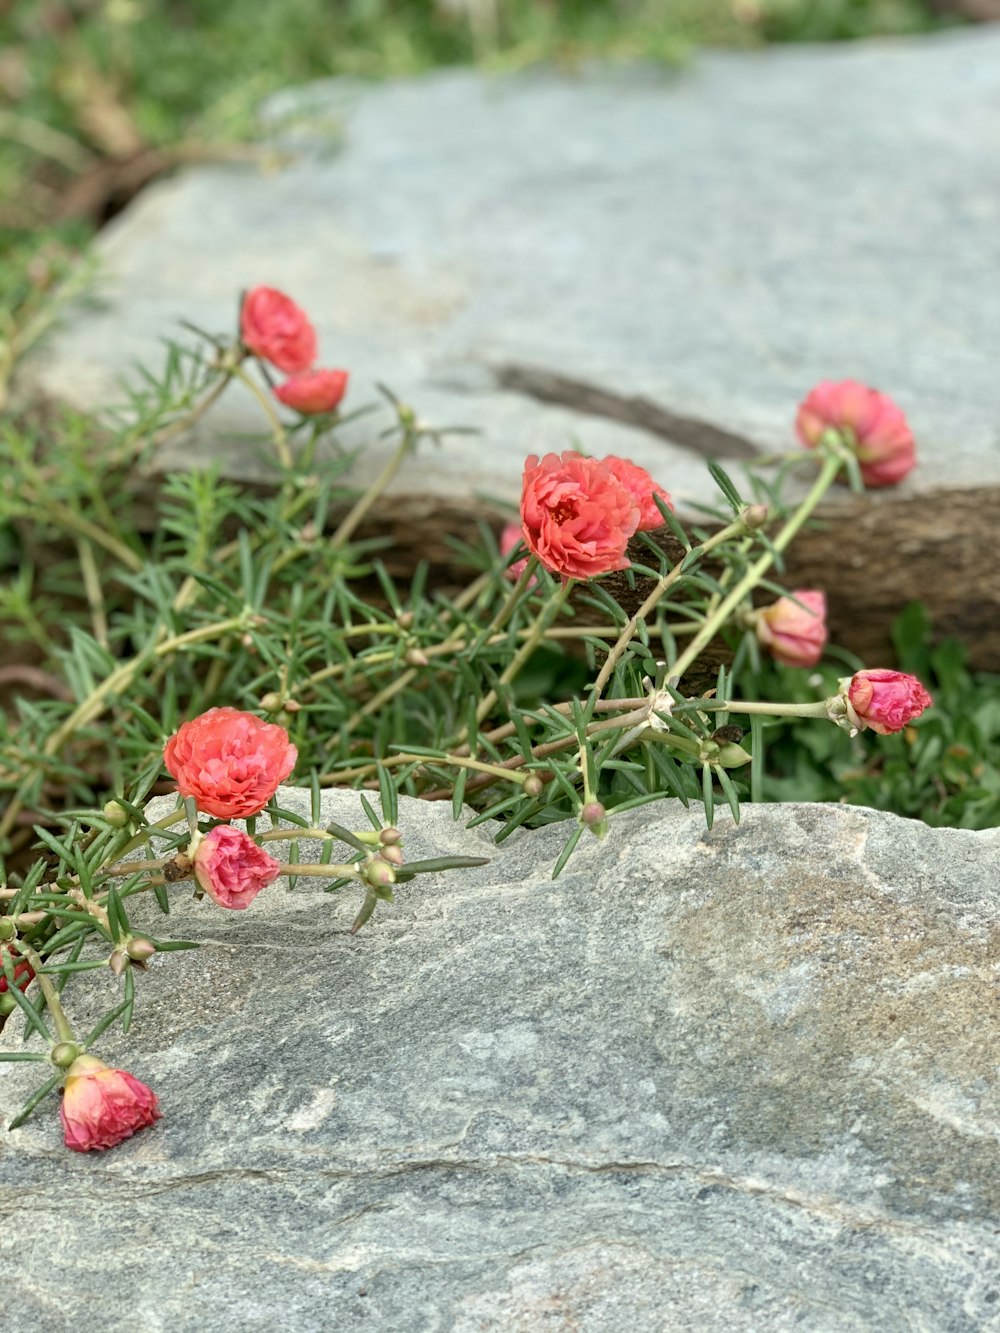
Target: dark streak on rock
(699,437)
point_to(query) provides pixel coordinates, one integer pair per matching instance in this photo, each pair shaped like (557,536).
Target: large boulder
(738,1079)
(651,263)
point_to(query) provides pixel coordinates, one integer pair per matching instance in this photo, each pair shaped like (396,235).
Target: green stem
(364,502)
(278,433)
(764,709)
(534,637)
(661,586)
(52,1002)
(828,472)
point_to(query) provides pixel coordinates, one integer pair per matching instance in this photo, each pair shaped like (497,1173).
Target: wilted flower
(883,700)
(869,422)
(278,330)
(641,486)
(576,516)
(314,391)
(231,868)
(230,762)
(794,634)
(102,1107)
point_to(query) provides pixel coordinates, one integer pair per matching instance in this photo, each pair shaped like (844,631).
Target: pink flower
(314,391)
(102,1106)
(575,515)
(870,423)
(231,868)
(794,634)
(641,486)
(278,330)
(230,762)
(509,538)
(24,973)
(885,701)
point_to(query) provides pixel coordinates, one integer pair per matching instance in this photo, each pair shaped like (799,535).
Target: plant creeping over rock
(253,638)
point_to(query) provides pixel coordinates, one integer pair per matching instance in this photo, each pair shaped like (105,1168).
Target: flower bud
(754,517)
(118,962)
(793,629)
(7,1004)
(884,701)
(416,657)
(7,928)
(393,854)
(595,817)
(390,835)
(64,1053)
(533,786)
(271,702)
(140,949)
(405,620)
(379,873)
(101,1107)
(116,814)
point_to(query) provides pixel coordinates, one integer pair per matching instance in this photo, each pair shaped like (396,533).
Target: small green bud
(7,1004)
(390,835)
(754,516)
(416,657)
(271,701)
(64,1053)
(115,814)
(7,928)
(533,786)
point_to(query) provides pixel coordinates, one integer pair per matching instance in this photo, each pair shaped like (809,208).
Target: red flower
(24,973)
(885,701)
(314,391)
(575,515)
(278,330)
(102,1106)
(232,763)
(231,868)
(509,538)
(794,634)
(870,423)
(641,486)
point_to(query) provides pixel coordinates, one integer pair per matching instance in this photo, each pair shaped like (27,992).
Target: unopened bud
(292,705)
(754,516)
(416,657)
(308,532)
(118,962)
(64,1053)
(393,854)
(533,786)
(7,928)
(379,873)
(271,701)
(7,1004)
(595,817)
(247,640)
(140,949)
(116,814)
(390,835)
(405,620)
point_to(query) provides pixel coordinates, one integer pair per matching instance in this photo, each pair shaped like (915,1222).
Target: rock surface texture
(648,263)
(738,1079)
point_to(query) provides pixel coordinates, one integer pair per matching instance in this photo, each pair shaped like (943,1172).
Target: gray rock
(642,262)
(738,1079)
